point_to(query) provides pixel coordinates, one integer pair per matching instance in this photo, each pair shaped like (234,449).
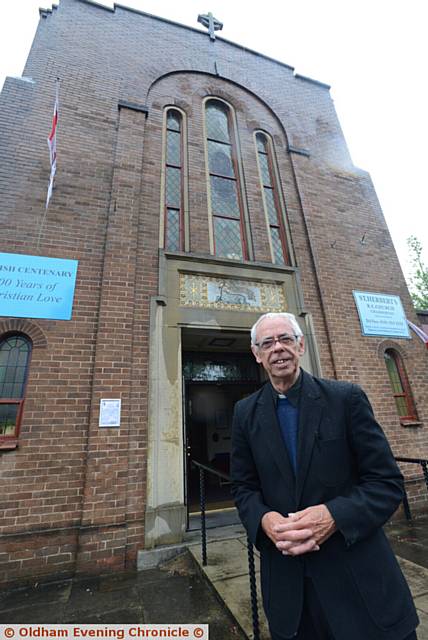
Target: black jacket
(345,462)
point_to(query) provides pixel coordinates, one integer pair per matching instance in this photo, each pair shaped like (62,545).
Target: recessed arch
(229,228)
(27,327)
(15,357)
(393,356)
(272,196)
(223,94)
(189,91)
(174,203)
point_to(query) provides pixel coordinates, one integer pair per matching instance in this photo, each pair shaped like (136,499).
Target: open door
(209,436)
(213,383)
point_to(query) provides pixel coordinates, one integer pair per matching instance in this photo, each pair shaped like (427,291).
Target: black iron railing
(424,465)
(204,469)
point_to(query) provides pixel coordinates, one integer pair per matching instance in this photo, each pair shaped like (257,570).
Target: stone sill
(411,423)
(9,444)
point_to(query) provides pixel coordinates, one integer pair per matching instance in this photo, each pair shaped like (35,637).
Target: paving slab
(422,630)
(409,539)
(176,592)
(416,576)
(227,570)
(227,559)
(34,614)
(180,591)
(235,592)
(422,603)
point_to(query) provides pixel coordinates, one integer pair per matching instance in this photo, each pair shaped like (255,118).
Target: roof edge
(123,7)
(307,79)
(98,5)
(183,26)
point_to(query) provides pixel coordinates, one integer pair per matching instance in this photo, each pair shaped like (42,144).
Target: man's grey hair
(290,317)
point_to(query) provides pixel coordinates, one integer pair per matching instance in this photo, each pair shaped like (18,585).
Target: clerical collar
(292,395)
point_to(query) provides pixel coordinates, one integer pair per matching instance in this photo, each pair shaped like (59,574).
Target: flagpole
(51,140)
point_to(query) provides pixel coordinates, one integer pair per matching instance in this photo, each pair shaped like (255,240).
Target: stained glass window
(225,187)
(264,168)
(220,159)
(14,359)
(173,120)
(278,253)
(173,187)
(219,366)
(172,238)
(173,148)
(271,200)
(224,198)
(217,121)
(227,234)
(400,385)
(174,182)
(270,206)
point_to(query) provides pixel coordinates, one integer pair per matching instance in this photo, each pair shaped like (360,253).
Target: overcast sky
(372,52)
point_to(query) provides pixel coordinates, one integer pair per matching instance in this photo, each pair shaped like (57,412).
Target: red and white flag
(52,144)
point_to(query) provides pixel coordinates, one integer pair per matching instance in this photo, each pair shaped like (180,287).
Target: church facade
(198,185)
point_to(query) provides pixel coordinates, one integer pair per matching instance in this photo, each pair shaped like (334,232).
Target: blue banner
(381,314)
(36,287)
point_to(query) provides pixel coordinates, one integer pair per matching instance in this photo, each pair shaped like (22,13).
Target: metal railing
(203,469)
(424,464)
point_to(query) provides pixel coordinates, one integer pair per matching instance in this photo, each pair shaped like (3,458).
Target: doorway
(213,381)
(208,438)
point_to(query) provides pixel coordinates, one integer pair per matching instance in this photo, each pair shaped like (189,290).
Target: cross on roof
(211,23)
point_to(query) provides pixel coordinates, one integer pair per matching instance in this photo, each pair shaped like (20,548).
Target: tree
(419,278)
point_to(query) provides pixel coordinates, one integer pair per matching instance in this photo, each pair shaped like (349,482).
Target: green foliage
(419,278)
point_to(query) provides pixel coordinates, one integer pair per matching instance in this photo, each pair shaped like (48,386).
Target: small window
(174,182)
(271,200)
(15,354)
(400,386)
(224,184)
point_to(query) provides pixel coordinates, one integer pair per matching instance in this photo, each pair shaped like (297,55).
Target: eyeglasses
(285,339)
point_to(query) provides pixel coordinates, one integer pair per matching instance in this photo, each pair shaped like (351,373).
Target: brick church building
(198,185)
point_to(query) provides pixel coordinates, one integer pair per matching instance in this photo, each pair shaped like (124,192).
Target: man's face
(281,361)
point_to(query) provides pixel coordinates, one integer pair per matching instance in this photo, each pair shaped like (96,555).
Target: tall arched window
(271,199)
(174,189)
(15,351)
(400,385)
(226,203)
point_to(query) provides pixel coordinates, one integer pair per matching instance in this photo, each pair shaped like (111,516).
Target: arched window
(174,187)
(271,200)
(15,351)
(224,187)
(400,385)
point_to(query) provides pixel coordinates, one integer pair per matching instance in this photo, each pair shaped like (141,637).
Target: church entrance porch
(200,364)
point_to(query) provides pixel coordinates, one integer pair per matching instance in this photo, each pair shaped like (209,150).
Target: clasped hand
(300,532)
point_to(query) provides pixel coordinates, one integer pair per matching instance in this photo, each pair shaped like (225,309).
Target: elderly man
(314,480)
